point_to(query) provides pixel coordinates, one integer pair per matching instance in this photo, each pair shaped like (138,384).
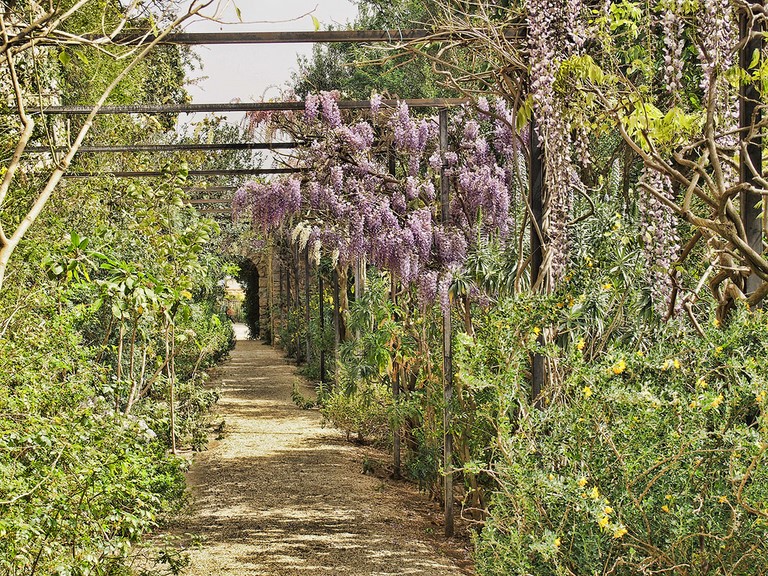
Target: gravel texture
(278,494)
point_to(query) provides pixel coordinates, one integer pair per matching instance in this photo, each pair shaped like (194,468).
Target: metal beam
(751,29)
(156,173)
(299,37)
(209,201)
(214,211)
(295,105)
(166,147)
(536,199)
(445,219)
(199,189)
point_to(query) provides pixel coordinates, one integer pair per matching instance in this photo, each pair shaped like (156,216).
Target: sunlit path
(279,494)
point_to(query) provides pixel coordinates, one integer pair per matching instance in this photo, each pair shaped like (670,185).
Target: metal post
(396,456)
(286,301)
(445,217)
(536,194)
(271,293)
(749,116)
(306,301)
(336,325)
(396,472)
(321,306)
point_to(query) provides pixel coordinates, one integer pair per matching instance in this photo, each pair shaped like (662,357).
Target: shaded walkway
(280,495)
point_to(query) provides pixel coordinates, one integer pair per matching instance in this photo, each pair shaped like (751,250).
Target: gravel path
(280,495)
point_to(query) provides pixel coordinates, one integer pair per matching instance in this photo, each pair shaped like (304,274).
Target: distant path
(280,495)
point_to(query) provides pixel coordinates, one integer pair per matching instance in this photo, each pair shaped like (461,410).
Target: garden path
(281,495)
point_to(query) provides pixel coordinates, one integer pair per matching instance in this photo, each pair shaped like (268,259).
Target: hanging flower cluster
(658,228)
(350,204)
(555,32)
(674,43)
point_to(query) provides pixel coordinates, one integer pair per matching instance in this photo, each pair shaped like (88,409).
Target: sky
(256,72)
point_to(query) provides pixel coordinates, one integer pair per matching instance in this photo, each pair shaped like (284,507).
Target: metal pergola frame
(191,173)
(295,105)
(536,173)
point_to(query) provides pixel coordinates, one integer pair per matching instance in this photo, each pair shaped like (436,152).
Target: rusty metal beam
(157,173)
(300,37)
(166,147)
(295,105)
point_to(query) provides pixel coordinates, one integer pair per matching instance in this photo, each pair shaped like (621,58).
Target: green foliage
(640,460)
(85,418)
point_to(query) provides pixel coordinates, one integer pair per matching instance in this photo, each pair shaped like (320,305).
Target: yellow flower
(760,398)
(668,497)
(676,364)
(557,542)
(716,323)
(607,286)
(536,330)
(723,499)
(665,508)
(717,401)
(595,494)
(701,383)
(718,350)
(587,391)
(551,476)
(619,532)
(693,404)
(619,367)
(608,510)
(582,482)
(640,353)
(580,344)
(603,522)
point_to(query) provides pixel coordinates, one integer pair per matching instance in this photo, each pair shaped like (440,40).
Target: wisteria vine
(350,204)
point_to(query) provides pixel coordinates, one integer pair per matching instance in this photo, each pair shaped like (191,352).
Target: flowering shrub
(647,459)
(370,188)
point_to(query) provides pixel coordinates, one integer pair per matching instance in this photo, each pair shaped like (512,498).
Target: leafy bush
(649,458)
(365,415)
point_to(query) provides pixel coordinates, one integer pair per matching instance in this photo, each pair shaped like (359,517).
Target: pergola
(751,211)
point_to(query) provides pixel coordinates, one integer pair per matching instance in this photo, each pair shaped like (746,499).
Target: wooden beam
(158,173)
(293,105)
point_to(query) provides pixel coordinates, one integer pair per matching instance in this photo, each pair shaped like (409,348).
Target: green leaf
(239,14)
(64,57)
(315,23)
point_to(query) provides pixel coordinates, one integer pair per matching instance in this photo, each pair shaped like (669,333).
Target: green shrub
(647,459)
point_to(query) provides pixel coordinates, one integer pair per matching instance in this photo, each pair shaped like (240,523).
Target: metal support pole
(536,193)
(286,302)
(271,293)
(751,29)
(396,464)
(396,450)
(445,217)
(307,287)
(336,325)
(321,306)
